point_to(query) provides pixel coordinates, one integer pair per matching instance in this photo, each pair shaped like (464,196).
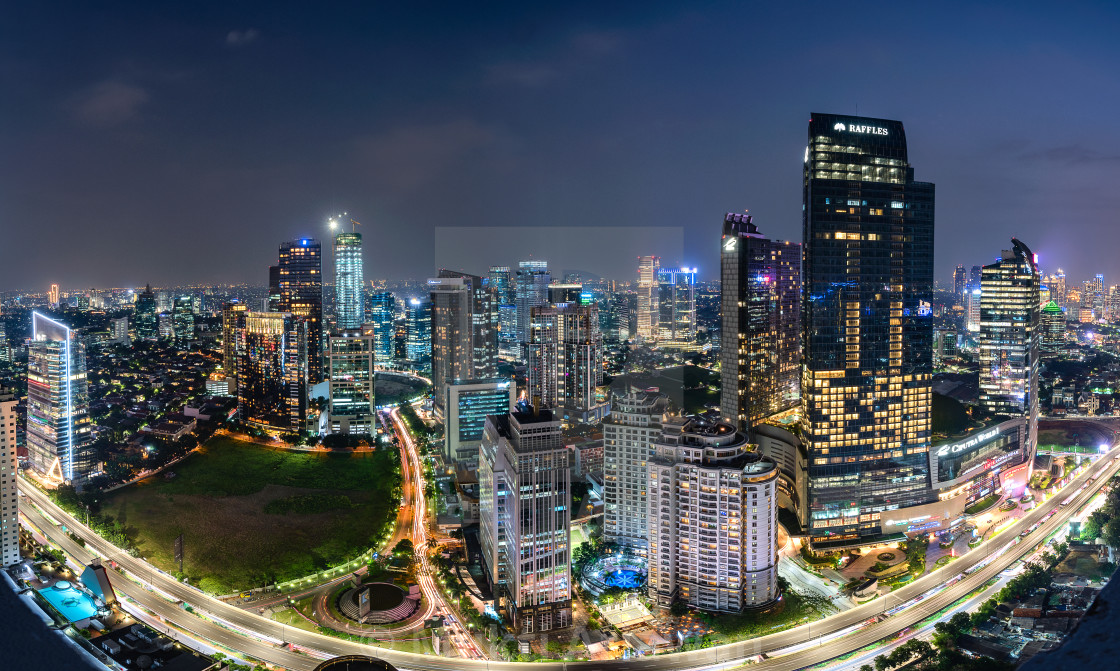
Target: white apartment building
(9,501)
(713,523)
(628,436)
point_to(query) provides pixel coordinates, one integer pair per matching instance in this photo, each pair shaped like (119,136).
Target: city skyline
(1008,162)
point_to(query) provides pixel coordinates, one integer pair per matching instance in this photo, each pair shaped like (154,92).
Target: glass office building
(760,333)
(867,327)
(676,306)
(467,404)
(349,306)
(418,341)
(382,317)
(182,320)
(531,291)
(58,430)
(147,315)
(1010,334)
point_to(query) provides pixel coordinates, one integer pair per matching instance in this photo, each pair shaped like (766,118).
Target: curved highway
(791,649)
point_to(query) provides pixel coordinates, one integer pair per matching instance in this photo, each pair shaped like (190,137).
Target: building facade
(468,404)
(182,320)
(9,515)
(525,519)
(58,430)
(1052,322)
(272,371)
(301,295)
(867,330)
(349,280)
(760,333)
(629,433)
(713,525)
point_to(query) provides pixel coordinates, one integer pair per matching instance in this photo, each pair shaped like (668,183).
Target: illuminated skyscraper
(418,338)
(147,316)
(349,305)
(1010,336)
(565,362)
(301,294)
(959,279)
(464,330)
(648,294)
(525,538)
(9,511)
(57,402)
(53,296)
(760,337)
(233,314)
(468,404)
(1057,283)
(1052,323)
(531,291)
(182,320)
(502,283)
(867,331)
(1094,288)
(272,371)
(382,318)
(676,306)
(272,301)
(118,329)
(351,375)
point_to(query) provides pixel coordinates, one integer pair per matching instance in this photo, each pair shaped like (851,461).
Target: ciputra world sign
(853,128)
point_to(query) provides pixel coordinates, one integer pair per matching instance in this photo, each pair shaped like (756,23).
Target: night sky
(180,143)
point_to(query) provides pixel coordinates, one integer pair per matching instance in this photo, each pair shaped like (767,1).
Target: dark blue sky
(177,143)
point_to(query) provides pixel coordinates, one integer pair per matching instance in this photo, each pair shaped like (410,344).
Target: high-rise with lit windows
(147,315)
(382,318)
(648,293)
(272,371)
(301,295)
(628,436)
(530,291)
(959,278)
(712,514)
(233,313)
(464,330)
(58,429)
(502,283)
(182,320)
(350,366)
(524,482)
(760,336)
(349,305)
(1052,323)
(867,331)
(565,361)
(676,306)
(1010,333)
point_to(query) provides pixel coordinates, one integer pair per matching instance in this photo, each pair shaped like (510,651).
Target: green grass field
(217,500)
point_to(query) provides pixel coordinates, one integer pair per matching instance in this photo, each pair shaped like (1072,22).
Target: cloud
(408,158)
(109,103)
(529,75)
(239,38)
(1070,154)
(577,51)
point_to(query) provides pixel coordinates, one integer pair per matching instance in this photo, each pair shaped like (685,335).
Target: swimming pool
(624,578)
(73,603)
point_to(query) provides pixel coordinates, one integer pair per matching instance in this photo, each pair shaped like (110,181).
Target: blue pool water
(624,578)
(73,603)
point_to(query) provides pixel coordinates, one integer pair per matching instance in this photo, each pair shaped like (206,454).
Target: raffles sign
(857,128)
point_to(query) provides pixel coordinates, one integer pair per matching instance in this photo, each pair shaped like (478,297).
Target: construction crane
(353,224)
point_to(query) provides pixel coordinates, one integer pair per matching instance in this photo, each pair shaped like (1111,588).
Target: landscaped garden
(252,515)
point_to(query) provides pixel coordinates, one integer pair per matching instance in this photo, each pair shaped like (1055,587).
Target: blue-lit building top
(418,319)
(348,279)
